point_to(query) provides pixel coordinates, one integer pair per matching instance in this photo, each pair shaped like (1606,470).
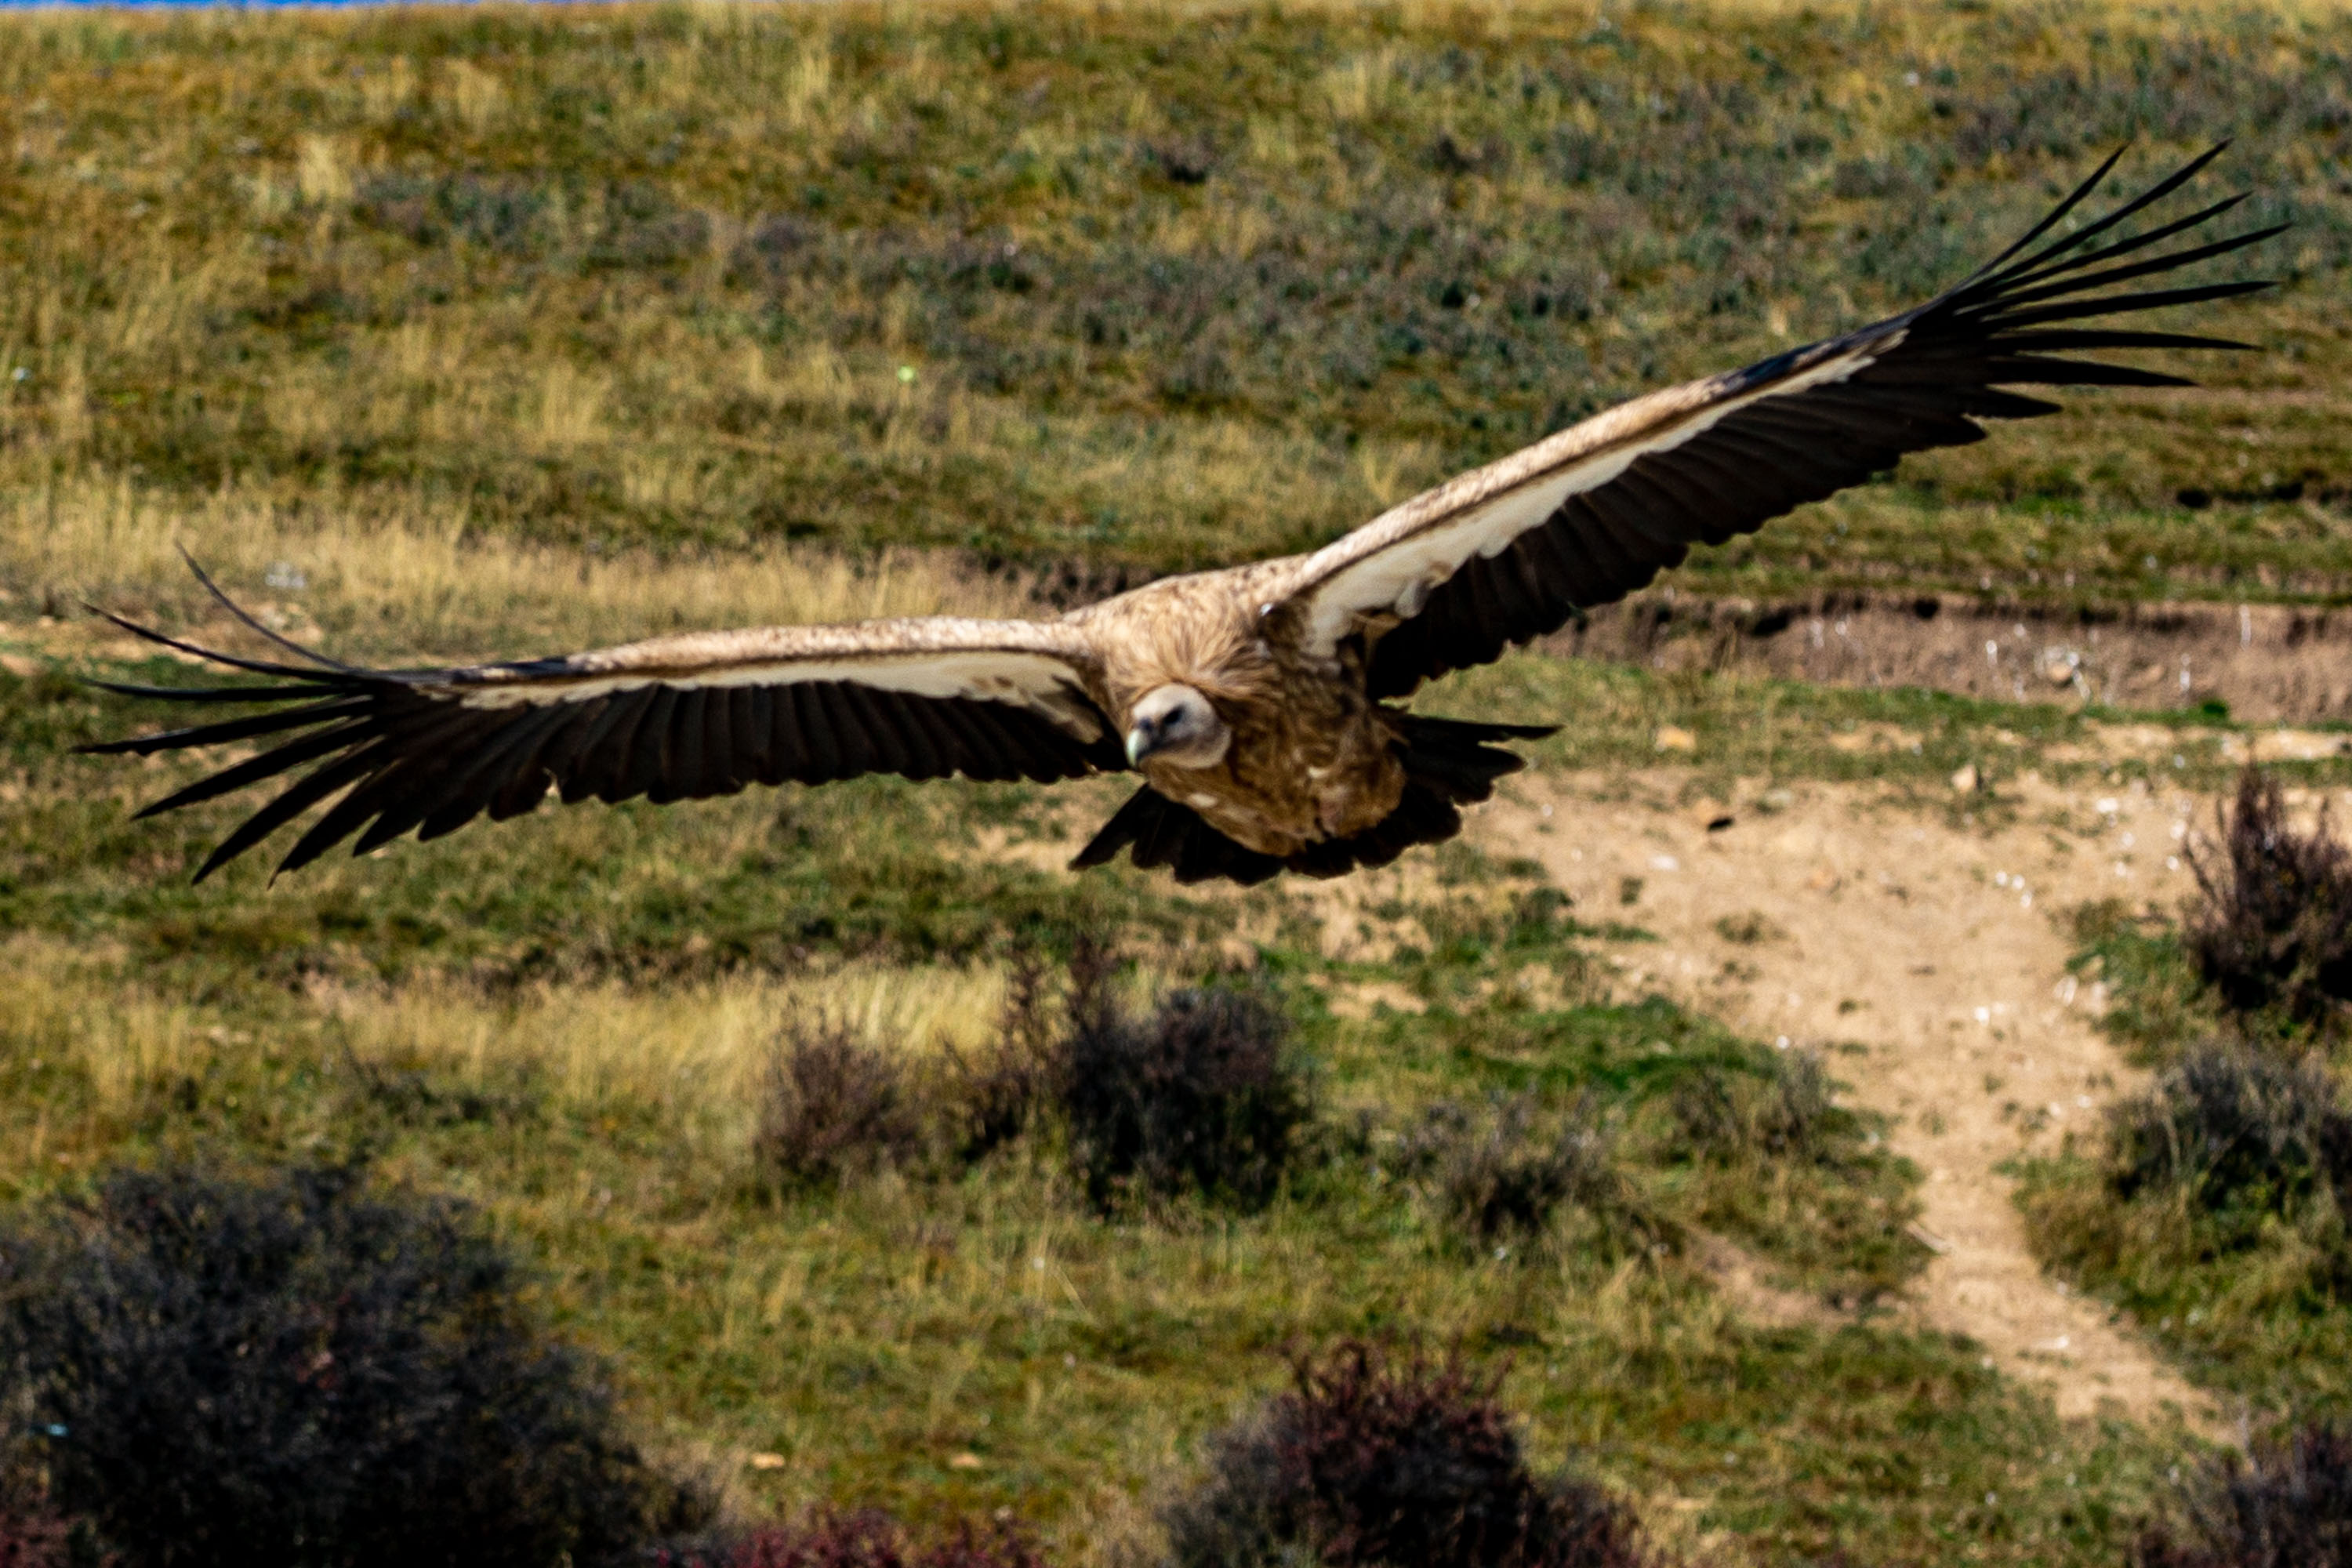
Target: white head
(1178,725)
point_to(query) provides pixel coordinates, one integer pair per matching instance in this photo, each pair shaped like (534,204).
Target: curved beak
(1141,741)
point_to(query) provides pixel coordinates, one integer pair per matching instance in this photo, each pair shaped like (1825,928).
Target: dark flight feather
(416,760)
(2006,325)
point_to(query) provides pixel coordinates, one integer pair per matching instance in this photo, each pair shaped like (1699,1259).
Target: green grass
(1137,288)
(1830,1219)
(401,294)
(2157,1003)
(871,1335)
(878,869)
(564,1018)
(2253,1305)
(2255,1311)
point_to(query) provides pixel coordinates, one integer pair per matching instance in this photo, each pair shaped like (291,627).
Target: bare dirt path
(1931,946)
(2284,662)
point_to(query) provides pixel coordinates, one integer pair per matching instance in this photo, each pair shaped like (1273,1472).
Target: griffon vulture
(1259,702)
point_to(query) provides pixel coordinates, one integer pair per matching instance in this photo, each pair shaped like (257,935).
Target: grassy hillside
(1134,289)
(467,331)
(568,1020)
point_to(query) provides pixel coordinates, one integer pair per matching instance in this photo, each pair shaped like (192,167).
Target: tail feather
(1159,833)
(1458,759)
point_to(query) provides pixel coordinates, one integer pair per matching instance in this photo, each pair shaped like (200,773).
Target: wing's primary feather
(427,751)
(1511,551)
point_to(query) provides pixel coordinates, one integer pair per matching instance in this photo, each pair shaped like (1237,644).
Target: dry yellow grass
(697,1051)
(403,578)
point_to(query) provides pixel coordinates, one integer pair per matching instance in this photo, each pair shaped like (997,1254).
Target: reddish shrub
(32,1537)
(1371,1462)
(867,1538)
(1005,1543)
(833,1105)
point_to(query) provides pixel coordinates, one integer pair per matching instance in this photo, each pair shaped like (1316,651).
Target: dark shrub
(2235,1129)
(867,1538)
(832,1106)
(1198,1096)
(291,1371)
(1749,928)
(996,1097)
(1410,1465)
(2274,926)
(1183,160)
(1509,1173)
(2289,1505)
(1787,1112)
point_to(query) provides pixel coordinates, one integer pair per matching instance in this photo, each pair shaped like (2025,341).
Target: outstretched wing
(1510,551)
(427,751)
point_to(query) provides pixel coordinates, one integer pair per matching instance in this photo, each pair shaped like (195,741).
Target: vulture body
(1258,702)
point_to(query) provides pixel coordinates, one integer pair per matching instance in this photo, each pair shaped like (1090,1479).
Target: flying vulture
(1260,703)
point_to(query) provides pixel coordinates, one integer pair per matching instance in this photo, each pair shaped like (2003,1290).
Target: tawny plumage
(1257,702)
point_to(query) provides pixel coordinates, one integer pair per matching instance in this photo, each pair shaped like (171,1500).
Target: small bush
(1199,1097)
(1509,1173)
(1409,1465)
(832,1106)
(2234,1129)
(1004,1543)
(996,1097)
(1787,1112)
(2289,1505)
(2275,924)
(288,1371)
(1749,928)
(867,1538)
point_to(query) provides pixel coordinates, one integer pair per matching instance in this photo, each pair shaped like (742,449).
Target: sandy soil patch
(1923,956)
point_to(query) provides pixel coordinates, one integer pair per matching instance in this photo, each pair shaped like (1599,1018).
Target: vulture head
(1178,725)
